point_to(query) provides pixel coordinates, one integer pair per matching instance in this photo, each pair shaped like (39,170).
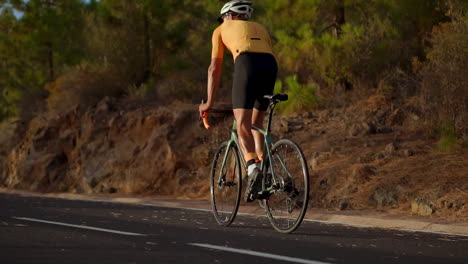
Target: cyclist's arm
(214,71)
(214,77)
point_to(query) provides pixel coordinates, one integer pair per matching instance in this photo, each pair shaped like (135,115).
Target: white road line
(79,226)
(258,254)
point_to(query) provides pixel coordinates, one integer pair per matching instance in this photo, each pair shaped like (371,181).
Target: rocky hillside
(112,150)
(372,155)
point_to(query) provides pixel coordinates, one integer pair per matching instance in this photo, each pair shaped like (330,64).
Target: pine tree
(39,45)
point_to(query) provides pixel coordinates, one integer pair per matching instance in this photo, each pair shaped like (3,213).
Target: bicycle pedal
(264,194)
(230,184)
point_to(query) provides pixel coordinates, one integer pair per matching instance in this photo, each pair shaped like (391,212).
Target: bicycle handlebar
(206,124)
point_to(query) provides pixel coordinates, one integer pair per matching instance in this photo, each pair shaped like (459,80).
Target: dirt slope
(373,155)
(370,155)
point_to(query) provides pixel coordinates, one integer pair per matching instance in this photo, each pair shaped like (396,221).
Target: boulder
(360,129)
(422,207)
(396,118)
(383,197)
(390,149)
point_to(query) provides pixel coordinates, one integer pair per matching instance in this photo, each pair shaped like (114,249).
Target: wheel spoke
(225,184)
(287,206)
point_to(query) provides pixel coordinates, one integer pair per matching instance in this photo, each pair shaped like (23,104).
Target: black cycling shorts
(254,77)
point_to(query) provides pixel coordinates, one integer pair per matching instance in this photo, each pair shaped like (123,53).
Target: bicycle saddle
(277,97)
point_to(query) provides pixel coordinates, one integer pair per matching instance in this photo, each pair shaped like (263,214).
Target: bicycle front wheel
(289,184)
(226,183)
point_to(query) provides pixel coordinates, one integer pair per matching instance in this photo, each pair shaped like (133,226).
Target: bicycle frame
(268,143)
(284,200)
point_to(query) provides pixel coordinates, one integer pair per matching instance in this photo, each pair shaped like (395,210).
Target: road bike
(285,184)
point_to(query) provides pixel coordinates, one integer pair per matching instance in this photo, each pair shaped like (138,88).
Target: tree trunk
(338,22)
(339,18)
(147,50)
(50,58)
(148,58)
(50,48)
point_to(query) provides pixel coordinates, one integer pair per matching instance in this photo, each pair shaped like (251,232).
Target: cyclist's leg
(264,84)
(257,120)
(247,143)
(244,125)
(243,100)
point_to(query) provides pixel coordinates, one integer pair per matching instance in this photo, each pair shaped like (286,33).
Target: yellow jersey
(240,36)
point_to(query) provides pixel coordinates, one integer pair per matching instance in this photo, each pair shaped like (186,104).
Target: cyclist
(255,71)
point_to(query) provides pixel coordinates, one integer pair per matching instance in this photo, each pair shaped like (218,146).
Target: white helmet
(236,7)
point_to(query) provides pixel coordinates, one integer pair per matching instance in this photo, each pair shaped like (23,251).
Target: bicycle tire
(291,193)
(226,192)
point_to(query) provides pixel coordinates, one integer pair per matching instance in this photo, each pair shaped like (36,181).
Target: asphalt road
(48,230)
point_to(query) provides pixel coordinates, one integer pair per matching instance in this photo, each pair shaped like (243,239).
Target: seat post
(270,115)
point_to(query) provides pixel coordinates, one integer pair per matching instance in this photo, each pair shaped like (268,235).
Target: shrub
(448,138)
(7,133)
(302,97)
(9,102)
(376,38)
(82,87)
(444,76)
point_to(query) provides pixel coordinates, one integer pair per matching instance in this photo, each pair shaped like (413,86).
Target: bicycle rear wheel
(226,183)
(287,204)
